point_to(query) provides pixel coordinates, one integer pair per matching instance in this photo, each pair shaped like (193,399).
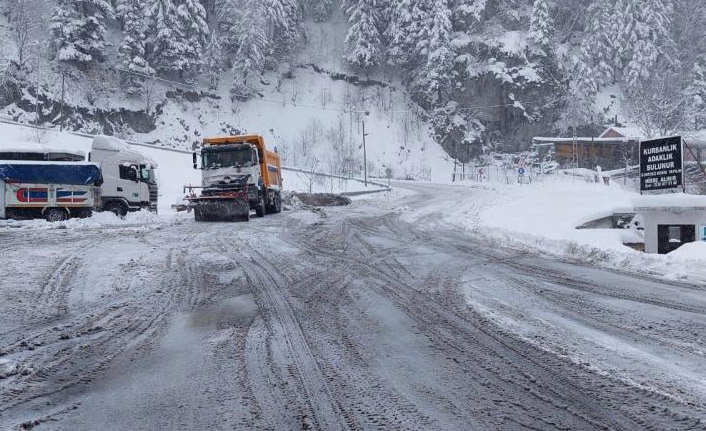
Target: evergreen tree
(647,33)
(321,9)
(283,19)
(165,37)
(470,12)
(696,91)
(579,97)
(78,30)
(600,48)
(131,52)
(253,47)
(436,73)
(405,32)
(214,61)
(191,19)
(363,41)
(541,28)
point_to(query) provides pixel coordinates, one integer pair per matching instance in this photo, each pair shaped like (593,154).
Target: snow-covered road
(375,316)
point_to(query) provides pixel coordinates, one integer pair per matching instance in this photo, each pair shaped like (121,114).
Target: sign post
(661,164)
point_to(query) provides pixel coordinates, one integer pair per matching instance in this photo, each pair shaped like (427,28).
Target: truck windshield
(226,157)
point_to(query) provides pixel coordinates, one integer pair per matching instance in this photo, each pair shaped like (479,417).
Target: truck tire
(117,208)
(56,215)
(278,203)
(260,207)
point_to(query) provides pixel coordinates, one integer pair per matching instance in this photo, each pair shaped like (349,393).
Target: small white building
(671,220)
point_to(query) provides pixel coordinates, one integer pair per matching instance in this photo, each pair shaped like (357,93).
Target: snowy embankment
(543,216)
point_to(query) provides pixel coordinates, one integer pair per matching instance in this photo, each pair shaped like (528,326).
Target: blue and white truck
(129,178)
(55,191)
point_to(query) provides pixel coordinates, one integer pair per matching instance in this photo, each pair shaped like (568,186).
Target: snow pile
(692,251)
(142,218)
(8,368)
(543,216)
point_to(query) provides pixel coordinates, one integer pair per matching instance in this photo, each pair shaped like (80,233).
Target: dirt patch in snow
(318,200)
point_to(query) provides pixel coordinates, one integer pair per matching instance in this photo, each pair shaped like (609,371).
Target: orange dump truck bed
(270,163)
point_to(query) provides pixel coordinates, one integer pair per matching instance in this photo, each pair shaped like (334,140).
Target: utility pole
(36,88)
(61,109)
(365,155)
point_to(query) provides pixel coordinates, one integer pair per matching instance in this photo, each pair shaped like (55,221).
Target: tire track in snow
(325,410)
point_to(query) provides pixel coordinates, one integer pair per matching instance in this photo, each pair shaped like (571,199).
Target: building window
(675,234)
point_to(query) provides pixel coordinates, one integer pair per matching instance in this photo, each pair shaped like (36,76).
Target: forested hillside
(481,72)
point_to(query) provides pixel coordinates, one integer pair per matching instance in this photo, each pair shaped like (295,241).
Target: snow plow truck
(238,175)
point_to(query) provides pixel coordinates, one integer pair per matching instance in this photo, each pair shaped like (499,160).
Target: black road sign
(661,164)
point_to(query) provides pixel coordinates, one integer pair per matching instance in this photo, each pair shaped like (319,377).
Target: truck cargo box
(71,173)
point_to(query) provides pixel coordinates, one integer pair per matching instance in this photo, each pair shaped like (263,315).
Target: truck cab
(130,182)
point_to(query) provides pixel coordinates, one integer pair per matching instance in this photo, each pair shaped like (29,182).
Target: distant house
(615,148)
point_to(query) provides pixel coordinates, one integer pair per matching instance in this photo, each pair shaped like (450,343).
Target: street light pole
(365,156)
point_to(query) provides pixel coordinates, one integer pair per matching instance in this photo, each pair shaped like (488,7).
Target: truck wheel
(117,208)
(277,206)
(198,215)
(260,207)
(55,215)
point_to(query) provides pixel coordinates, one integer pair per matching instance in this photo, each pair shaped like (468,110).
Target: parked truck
(130,182)
(238,175)
(53,190)
(129,177)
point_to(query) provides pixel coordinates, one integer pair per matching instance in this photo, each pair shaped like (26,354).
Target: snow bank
(543,216)
(692,251)
(98,220)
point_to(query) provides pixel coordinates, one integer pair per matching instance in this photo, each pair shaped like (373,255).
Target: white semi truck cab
(129,177)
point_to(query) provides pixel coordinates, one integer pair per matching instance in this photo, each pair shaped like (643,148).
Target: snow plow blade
(220,209)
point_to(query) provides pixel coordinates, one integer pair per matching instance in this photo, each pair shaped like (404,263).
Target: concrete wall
(654,218)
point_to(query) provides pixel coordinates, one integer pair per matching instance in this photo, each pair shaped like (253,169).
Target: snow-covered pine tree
(398,34)
(469,12)
(436,73)
(696,94)
(579,97)
(364,39)
(541,29)
(321,9)
(191,19)
(600,47)
(78,30)
(164,37)
(253,47)
(131,51)
(646,24)
(284,18)
(214,61)
(227,23)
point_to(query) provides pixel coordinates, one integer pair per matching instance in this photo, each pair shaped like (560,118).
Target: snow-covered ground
(544,216)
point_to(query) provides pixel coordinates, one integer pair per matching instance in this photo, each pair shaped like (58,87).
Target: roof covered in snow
(623,132)
(667,202)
